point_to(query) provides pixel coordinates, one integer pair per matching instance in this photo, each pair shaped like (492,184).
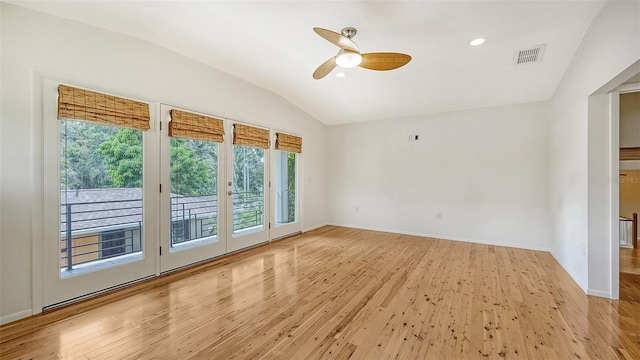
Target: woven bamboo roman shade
(286,142)
(90,106)
(250,136)
(193,126)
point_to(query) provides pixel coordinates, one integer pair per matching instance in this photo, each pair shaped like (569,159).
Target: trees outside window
(97,156)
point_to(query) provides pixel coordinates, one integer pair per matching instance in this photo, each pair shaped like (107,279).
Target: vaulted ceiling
(272,44)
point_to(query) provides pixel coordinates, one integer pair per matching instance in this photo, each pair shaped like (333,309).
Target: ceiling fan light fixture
(348,59)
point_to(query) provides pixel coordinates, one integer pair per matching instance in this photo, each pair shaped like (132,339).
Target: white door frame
(82,283)
(614,102)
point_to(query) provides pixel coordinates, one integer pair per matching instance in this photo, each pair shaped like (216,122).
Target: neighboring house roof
(99,208)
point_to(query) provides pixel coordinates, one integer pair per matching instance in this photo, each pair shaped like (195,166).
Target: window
(248,187)
(101,186)
(194,175)
(287,149)
(285,187)
(112,243)
(100,172)
(194,189)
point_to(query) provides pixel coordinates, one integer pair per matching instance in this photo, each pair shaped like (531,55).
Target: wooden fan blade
(384,61)
(325,68)
(337,39)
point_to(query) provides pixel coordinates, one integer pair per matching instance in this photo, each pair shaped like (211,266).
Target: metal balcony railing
(196,217)
(248,210)
(193,217)
(91,231)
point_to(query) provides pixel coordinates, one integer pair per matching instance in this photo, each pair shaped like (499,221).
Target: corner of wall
(574,276)
(610,46)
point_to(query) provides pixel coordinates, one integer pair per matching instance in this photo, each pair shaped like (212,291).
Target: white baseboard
(15,316)
(599,293)
(314,227)
(445,237)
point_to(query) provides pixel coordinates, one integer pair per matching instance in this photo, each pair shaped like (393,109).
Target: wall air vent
(529,55)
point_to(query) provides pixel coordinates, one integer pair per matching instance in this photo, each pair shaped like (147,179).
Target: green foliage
(192,168)
(97,156)
(291,184)
(123,157)
(247,218)
(81,166)
(248,169)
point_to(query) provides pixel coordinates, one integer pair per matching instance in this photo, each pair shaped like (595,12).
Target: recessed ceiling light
(341,74)
(478,41)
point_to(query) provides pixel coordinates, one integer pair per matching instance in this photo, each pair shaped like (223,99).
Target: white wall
(630,120)
(629,165)
(485,170)
(611,45)
(34,43)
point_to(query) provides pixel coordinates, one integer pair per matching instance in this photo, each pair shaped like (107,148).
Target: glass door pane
(285,194)
(247,192)
(190,208)
(285,189)
(248,189)
(194,192)
(100,197)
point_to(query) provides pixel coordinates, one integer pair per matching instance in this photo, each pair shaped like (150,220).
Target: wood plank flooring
(338,293)
(630,261)
(630,287)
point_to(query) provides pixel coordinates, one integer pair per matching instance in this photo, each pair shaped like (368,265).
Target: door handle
(229,192)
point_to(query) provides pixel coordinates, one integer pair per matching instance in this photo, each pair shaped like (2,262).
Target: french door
(123,204)
(214,197)
(192,210)
(99,198)
(285,194)
(247,192)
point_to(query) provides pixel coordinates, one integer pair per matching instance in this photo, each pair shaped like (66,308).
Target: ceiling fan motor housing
(349,32)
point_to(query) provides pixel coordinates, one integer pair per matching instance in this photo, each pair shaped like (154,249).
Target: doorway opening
(629,195)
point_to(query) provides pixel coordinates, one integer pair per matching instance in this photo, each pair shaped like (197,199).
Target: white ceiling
(271,44)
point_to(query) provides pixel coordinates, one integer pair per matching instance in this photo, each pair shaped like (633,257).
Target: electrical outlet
(439,216)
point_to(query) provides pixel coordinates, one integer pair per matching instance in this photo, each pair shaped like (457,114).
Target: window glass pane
(101,193)
(248,188)
(194,190)
(285,187)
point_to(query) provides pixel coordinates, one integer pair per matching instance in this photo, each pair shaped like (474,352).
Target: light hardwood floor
(630,261)
(344,293)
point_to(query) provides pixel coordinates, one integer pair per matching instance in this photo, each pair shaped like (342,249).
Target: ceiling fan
(349,55)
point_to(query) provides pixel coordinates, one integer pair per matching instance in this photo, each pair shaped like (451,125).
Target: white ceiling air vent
(529,55)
